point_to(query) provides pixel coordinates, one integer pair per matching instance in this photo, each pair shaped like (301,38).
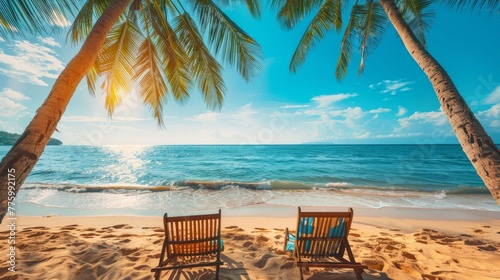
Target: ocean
(147,180)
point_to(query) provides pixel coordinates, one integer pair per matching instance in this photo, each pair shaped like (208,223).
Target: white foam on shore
(233,197)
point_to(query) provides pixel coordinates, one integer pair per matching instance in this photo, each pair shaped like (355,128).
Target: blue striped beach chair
(321,241)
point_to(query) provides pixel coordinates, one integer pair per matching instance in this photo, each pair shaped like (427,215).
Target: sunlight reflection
(127,163)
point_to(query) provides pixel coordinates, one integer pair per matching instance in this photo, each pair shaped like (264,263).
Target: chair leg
(301,274)
(358,274)
(217,272)
(157,275)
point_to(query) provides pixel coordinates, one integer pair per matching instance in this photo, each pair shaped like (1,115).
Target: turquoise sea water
(139,178)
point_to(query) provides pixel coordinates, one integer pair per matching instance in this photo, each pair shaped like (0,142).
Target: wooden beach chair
(321,241)
(191,241)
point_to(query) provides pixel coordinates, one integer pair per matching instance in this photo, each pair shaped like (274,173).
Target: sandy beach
(394,243)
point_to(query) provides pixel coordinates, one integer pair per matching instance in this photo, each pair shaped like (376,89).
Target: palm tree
(408,17)
(151,45)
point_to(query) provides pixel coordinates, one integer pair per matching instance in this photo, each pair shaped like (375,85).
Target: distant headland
(8,139)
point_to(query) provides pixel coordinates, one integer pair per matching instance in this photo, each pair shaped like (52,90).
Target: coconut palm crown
(157,49)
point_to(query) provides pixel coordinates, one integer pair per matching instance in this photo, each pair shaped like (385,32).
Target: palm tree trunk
(23,156)
(475,142)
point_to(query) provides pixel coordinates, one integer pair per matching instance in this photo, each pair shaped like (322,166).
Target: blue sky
(392,102)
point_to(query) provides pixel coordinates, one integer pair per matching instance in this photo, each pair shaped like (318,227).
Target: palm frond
(327,18)
(490,6)
(254,8)
(371,27)
(174,60)
(91,77)
(419,16)
(150,82)
(227,39)
(84,20)
(292,11)
(34,16)
(346,45)
(204,67)
(116,61)
(252,5)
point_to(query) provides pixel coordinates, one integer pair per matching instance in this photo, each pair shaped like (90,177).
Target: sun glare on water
(127,163)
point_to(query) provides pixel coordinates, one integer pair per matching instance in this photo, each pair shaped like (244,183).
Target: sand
(394,243)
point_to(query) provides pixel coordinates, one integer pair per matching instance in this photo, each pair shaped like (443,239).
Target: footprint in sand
(124,226)
(473,242)
(261,263)
(142,267)
(489,248)
(69,227)
(247,244)
(126,251)
(128,235)
(262,239)
(40,233)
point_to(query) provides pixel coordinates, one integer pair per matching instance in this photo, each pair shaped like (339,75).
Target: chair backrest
(193,235)
(321,234)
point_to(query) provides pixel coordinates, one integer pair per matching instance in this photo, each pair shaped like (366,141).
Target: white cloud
(93,119)
(59,20)
(493,112)
(392,87)
(9,108)
(436,118)
(49,41)
(379,110)
(206,117)
(494,97)
(495,123)
(293,106)
(243,116)
(327,100)
(491,116)
(401,111)
(30,63)
(12,94)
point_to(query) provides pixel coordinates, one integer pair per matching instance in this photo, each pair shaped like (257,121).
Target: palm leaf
(292,11)
(489,5)
(84,20)
(174,60)
(34,16)
(91,77)
(228,39)
(418,16)
(150,82)
(116,61)
(327,18)
(252,5)
(204,68)
(346,45)
(373,22)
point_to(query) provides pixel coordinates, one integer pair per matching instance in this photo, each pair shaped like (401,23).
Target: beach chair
(191,241)
(321,241)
